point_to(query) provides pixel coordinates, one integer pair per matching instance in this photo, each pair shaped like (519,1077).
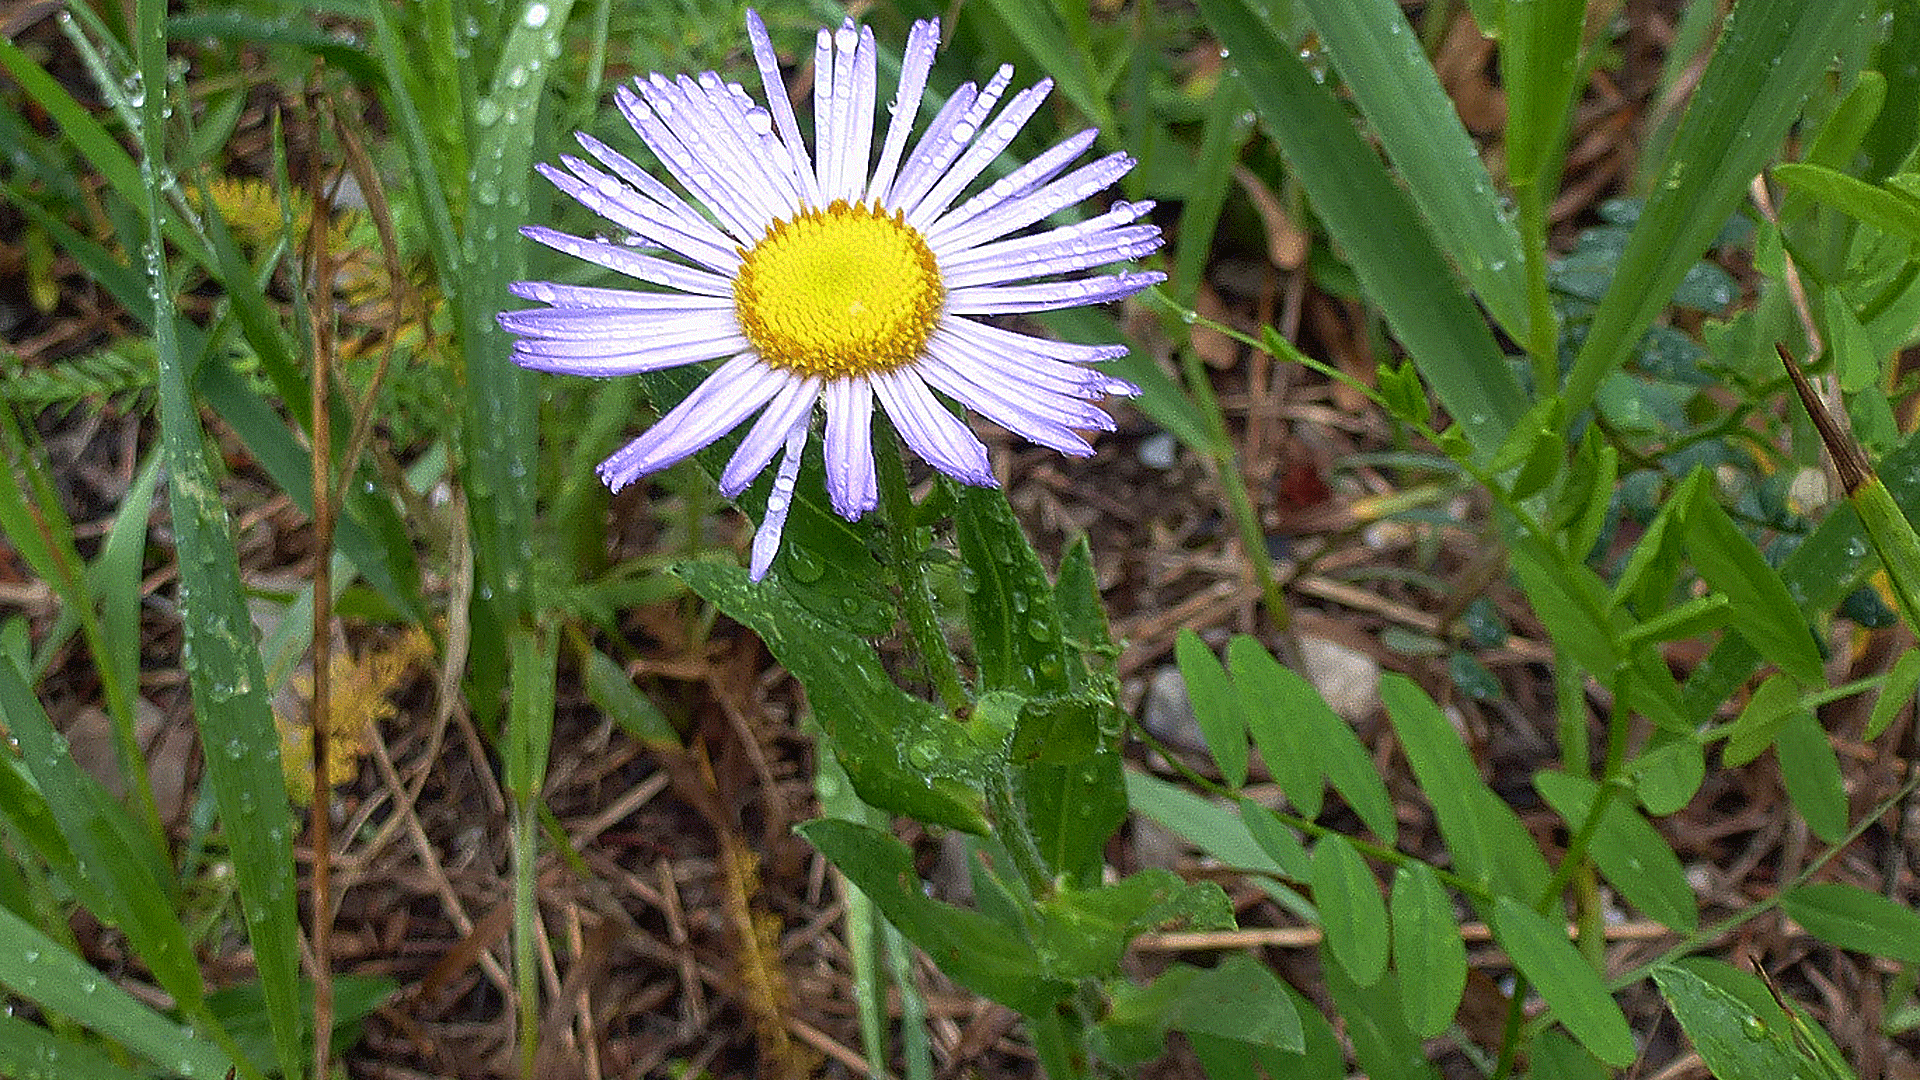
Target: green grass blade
(529,737)
(123,872)
(1370,217)
(31,1052)
(501,408)
(1382,65)
(1221,137)
(222,664)
(1767,58)
(39,969)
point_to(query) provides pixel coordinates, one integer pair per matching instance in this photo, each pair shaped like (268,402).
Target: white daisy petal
(1079,185)
(766,539)
(768,434)
(1015,184)
(603,195)
(662,196)
(993,138)
(631,263)
(1018,299)
(942,152)
(852,484)
(602,359)
(779,107)
(734,391)
(933,432)
(916,61)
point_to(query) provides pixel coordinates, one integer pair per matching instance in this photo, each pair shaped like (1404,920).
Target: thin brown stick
(320,715)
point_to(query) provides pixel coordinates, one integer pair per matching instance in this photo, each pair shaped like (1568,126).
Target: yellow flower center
(849,290)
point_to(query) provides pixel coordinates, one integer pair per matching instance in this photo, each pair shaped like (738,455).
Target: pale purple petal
(604,195)
(794,402)
(1016,184)
(1008,355)
(766,539)
(1017,213)
(993,337)
(1118,245)
(1114,226)
(710,189)
(643,182)
(852,484)
(601,324)
(1052,421)
(731,394)
(1046,296)
(603,299)
(929,163)
(826,132)
(935,434)
(780,107)
(628,356)
(917,60)
(994,138)
(631,263)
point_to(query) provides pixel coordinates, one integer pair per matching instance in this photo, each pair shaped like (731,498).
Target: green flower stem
(1010,820)
(1226,466)
(909,572)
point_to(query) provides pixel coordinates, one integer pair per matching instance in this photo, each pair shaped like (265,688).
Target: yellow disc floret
(849,290)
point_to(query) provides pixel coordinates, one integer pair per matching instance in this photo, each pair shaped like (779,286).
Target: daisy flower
(834,279)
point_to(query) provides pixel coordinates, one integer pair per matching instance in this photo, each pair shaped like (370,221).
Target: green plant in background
(1579,420)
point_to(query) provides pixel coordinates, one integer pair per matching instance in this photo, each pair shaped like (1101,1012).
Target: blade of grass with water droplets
(223,666)
(1768,55)
(1375,225)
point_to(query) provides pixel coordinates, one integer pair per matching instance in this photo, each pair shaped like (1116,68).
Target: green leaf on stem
(1215,707)
(1428,953)
(1488,843)
(1082,933)
(1352,913)
(1572,988)
(1017,639)
(1764,612)
(1853,918)
(986,956)
(1627,850)
(901,753)
(1811,774)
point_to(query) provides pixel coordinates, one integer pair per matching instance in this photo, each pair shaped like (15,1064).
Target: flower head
(832,279)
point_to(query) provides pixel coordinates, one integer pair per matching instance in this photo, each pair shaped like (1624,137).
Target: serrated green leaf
(984,955)
(1570,985)
(1352,913)
(1215,706)
(1627,850)
(1853,918)
(1428,954)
